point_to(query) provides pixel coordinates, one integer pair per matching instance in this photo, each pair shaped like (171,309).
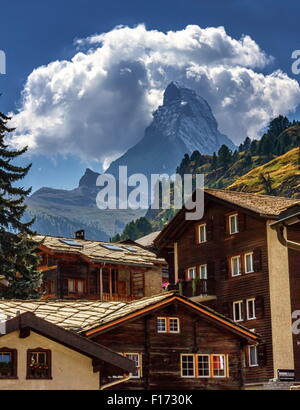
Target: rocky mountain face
(183,124)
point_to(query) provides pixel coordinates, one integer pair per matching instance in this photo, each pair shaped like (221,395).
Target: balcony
(196,289)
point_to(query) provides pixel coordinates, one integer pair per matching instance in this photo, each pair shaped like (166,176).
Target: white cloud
(98,104)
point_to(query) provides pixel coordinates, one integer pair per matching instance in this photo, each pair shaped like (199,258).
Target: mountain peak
(89,178)
(176,92)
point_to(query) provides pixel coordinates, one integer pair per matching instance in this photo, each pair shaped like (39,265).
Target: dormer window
(233,224)
(202,233)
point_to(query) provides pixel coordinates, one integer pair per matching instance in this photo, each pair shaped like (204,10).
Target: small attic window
(112,247)
(71,243)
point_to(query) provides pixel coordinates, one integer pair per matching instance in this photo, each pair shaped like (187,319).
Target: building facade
(232,261)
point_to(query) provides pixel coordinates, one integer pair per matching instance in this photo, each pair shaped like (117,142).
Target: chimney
(80,234)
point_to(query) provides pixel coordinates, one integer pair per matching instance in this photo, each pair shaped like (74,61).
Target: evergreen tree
(224,156)
(214,163)
(18,259)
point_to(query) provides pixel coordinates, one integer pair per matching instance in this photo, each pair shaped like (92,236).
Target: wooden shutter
(224,268)
(224,223)
(246,355)
(262,354)
(210,230)
(259,307)
(226,309)
(241,222)
(211,270)
(257,260)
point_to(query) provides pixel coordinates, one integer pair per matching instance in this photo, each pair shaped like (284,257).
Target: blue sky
(34,33)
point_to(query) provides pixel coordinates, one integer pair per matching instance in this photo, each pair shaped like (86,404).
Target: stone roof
(82,316)
(76,315)
(97,251)
(148,240)
(262,204)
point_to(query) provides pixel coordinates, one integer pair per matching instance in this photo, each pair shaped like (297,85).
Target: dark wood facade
(71,277)
(222,288)
(160,354)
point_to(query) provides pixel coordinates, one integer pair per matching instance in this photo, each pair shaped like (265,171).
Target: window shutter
(262,354)
(246,355)
(257,260)
(65,290)
(259,307)
(241,222)
(211,270)
(226,309)
(224,268)
(196,239)
(243,310)
(210,230)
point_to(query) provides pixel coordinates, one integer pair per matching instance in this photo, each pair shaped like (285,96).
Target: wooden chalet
(77,268)
(175,343)
(233,261)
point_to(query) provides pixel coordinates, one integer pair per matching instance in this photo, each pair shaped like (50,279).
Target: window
(168,325)
(39,364)
(219,365)
(203,272)
(250,303)
(173,325)
(8,363)
(249,263)
(71,243)
(187,365)
(192,273)
(161,325)
(236,266)
(76,286)
(112,247)
(202,233)
(253,357)
(233,224)
(203,365)
(238,311)
(137,359)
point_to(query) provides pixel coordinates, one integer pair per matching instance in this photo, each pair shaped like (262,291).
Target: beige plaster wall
(280,298)
(70,370)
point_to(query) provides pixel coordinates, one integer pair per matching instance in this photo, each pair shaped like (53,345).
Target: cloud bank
(98,104)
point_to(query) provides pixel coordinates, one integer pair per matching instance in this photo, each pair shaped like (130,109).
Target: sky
(83,76)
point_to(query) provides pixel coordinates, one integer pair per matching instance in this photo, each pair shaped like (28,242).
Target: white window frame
(225,366)
(205,233)
(252,300)
(252,262)
(169,327)
(188,273)
(166,325)
(181,365)
(139,366)
(236,218)
(249,356)
(233,258)
(240,303)
(209,366)
(200,272)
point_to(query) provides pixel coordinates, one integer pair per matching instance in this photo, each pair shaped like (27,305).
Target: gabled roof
(262,206)
(148,240)
(98,252)
(92,317)
(139,308)
(28,321)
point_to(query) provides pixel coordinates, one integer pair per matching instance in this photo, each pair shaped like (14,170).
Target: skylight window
(112,247)
(130,249)
(71,243)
